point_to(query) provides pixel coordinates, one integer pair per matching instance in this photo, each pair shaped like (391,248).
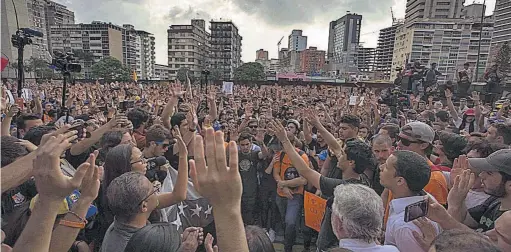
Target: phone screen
(416,210)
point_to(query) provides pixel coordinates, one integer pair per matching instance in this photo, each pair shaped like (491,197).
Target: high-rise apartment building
(385,50)
(261,54)
(162,72)
(502,16)
(98,38)
(138,51)
(343,41)
(188,47)
(312,60)
(366,59)
(37,21)
(57,14)
(225,47)
(417,10)
(449,43)
(296,41)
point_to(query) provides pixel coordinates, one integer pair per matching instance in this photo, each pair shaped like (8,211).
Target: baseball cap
(419,131)
(499,161)
(470,112)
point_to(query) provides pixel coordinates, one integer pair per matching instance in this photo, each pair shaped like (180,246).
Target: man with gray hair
(357,218)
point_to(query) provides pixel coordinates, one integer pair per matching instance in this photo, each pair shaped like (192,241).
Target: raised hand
(278,129)
(475,96)
(13,110)
(218,182)
(462,184)
(27,144)
(51,183)
(91,181)
(459,165)
(448,94)
(179,140)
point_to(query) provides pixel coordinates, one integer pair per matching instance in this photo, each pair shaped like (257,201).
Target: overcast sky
(261,22)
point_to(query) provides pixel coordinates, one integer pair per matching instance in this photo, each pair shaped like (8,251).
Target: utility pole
(479,44)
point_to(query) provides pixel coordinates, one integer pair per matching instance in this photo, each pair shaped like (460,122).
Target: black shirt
(486,214)
(79,159)
(326,237)
(17,196)
(248,163)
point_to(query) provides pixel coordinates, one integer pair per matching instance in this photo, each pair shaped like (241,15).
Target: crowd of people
(178,167)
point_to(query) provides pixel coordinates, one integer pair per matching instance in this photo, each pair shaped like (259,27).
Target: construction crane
(394,20)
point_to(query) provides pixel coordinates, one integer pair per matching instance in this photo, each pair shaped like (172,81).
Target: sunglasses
(156,189)
(253,126)
(407,142)
(163,145)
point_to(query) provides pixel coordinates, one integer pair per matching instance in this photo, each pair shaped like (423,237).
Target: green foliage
(83,56)
(215,74)
(181,75)
(251,71)
(503,59)
(40,68)
(110,69)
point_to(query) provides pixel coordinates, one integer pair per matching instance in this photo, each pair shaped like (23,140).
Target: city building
(189,47)
(385,50)
(138,51)
(225,47)
(366,58)
(418,10)
(57,14)
(343,41)
(502,32)
(9,27)
(296,41)
(162,72)
(265,64)
(289,61)
(261,54)
(274,66)
(99,39)
(37,21)
(312,60)
(449,42)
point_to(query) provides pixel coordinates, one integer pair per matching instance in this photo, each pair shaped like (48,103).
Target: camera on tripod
(63,62)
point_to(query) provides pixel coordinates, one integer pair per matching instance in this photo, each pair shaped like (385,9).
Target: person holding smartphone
(405,174)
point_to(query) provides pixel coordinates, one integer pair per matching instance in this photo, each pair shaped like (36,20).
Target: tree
(110,69)
(503,59)
(83,55)
(40,68)
(251,71)
(216,74)
(181,75)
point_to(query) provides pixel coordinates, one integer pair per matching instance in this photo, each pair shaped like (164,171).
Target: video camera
(153,172)
(62,62)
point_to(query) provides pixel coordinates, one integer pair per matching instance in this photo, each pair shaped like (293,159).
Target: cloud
(302,12)
(178,14)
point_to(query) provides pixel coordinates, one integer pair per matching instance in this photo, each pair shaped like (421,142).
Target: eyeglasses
(164,145)
(406,142)
(142,160)
(253,126)
(156,189)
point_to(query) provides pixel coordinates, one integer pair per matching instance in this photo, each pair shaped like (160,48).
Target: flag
(135,78)
(3,63)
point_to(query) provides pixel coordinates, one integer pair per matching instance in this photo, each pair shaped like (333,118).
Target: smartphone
(79,125)
(416,210)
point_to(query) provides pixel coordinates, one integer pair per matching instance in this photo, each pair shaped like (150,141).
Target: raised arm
(298,162)
(179,192)
(329,138)
(220,183)
(6,123)
(450,105)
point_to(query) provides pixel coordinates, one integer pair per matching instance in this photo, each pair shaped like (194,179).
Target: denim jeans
(290,211)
